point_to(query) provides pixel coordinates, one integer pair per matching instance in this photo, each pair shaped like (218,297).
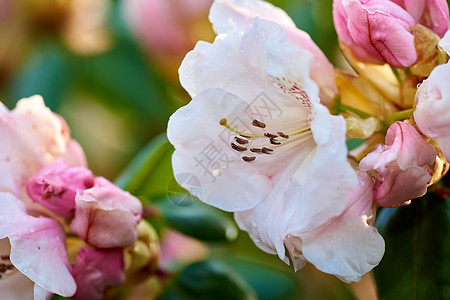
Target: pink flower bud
(401,164)
(430,13)
(106,216)
(95,271)
(55,187)
(376,31)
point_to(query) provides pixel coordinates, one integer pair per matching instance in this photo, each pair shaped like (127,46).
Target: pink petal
(97,270)
(106,216)
(55,187)
(37,247)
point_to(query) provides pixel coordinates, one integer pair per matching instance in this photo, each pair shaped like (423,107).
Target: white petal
(231,16)
(347,246)
(258,62)
(444,43)
(203,150)
(328,179)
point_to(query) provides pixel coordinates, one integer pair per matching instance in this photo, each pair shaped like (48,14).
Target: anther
(270,136)
(4,257)
(266,150)
(248,158)
(240,141)
(286,136)
(274,141)
(256,150)
(238,148)
(259,124)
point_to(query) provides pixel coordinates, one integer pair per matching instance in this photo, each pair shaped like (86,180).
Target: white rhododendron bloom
(261,145)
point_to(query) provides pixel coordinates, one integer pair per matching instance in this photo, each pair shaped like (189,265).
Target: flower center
(6,268)
(255,146)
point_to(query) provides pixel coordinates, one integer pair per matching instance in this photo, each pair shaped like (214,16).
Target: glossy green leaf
(198,220)
(46,74)
(142,167)
(268,282)
(416,264)
(208,280)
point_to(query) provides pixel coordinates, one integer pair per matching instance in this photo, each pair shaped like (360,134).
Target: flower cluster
(58,223)
(266,130)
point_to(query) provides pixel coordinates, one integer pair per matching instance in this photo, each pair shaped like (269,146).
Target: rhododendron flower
(33,138)
(56,186)
(97,270)
(106,216)
(376,30)
(401,164)
(261,144)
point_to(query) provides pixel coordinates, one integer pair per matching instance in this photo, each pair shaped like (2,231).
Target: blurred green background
(95,64)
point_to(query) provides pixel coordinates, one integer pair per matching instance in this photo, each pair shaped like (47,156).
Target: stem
(401,115)
(345,108)
(397,74)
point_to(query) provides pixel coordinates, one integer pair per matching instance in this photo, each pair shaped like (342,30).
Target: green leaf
(416,264)
(142,168)
(198,220)
(208,280)
(354,143)
(46,74)
(268,282)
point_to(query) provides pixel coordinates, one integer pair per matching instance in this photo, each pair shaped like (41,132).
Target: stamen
(256,150)
(286,136)
(248,158)
(275,142)
(259,124)
(240,141)
(269,135)
(266,150)
(224,123)
(238,148)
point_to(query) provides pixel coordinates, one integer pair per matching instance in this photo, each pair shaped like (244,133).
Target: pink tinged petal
(444,43)
(33,137)
(233,16)
(401,164)
(37,247)
(378,29)
(347,246)
(55,187)
(433,14)
(95,271)
(432,113)
(106,216)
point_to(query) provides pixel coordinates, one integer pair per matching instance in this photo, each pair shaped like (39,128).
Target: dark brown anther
(285,136)
(4,257)
(248,158)
(238,148)
(240,141)
(275,142)
(256,150)
(259,124)
(266,150)
(270,136)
